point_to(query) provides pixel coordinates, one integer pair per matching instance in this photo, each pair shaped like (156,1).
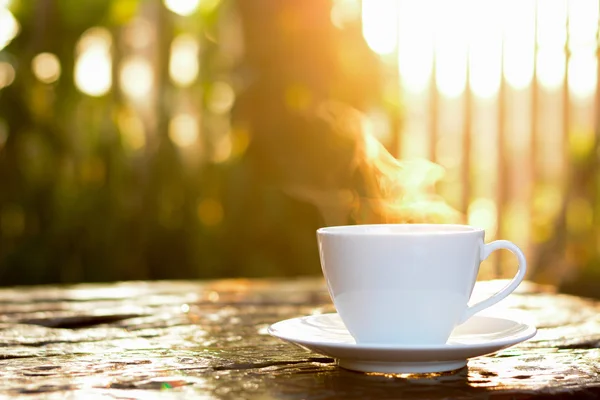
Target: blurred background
(186,139)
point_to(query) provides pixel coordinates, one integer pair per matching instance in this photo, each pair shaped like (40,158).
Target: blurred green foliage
(220,159)
(78,203)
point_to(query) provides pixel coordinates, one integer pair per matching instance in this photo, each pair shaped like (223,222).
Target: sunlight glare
(93,75)
(380,25)
(551,67)
(485,49)
(518,64)
(451,47)
(136,77)
(583,74)
(415,45)
(182,7)
(9,27)
(583,27)
(552,36)
(472,31)
(477,33)
(183,63)
(519,42)
(552,23)
(46,67)
(583,24)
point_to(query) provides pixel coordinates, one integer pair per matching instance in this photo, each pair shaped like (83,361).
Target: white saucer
(326,334)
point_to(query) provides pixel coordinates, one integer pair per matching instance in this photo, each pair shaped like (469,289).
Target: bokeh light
(482,213)
(93,66)
(511,150)
(7,74)
(223,149)
(182,7)
(46,67)
(183,63)
(184,130)
(9,27)
(136,77)
(221,98)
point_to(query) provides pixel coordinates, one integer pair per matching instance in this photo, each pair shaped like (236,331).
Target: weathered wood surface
(208,340)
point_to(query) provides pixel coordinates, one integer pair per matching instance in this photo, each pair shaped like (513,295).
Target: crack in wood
(79,322)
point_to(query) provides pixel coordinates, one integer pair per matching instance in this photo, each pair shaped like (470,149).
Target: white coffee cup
(407,284)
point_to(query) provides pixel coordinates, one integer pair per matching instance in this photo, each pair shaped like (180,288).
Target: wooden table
(209,340)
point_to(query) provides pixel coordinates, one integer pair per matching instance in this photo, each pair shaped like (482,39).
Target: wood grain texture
(209,340)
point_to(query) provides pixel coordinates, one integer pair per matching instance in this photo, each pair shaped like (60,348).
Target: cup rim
(393,229)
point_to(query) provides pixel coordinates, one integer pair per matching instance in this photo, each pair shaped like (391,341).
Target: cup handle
(486,250)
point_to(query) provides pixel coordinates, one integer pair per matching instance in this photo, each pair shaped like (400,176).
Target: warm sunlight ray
(519,42)
(485,48)
(380,24)
(495,39)
(583,26)
(415,57)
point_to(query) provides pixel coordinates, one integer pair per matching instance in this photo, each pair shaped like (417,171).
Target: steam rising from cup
(371,186)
